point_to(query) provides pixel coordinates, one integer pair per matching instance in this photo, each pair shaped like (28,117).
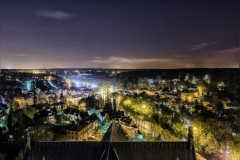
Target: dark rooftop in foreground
(112,150)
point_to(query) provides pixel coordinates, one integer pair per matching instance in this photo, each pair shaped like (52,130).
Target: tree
(203,138)
(108,107)
(177,118)
(219,107)
(42,132)
(196,102)
(221,131)
(9,122)
(142,82)
(193,79)
(201,87)
(30,111)
(235,154)
(155,116)
(207,78)
(199,109)
(179,129)
(114,105)
(91,102)
(158,80)
(166,111)
(59,118)
(41,98)
(215,96)
(129,85)
(15,105)
(17,114)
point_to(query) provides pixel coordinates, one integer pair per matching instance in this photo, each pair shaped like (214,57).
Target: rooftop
(113,149)
(110,150)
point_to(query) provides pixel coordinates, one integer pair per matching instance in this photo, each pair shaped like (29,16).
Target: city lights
(159,113)
(119,80)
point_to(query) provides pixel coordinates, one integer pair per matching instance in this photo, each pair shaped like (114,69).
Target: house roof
(110,150)
(93,117)
(83,123)
(9,150)
(116,114)
(78,127)
(74,111)
(113,149)
(114,134)
(66,150)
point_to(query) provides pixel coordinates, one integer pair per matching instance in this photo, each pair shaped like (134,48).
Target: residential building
(73,100)
(84,129)
(190,96)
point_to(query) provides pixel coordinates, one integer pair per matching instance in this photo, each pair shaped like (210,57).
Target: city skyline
(119,34)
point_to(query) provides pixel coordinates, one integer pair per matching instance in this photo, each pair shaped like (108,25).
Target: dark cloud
(201,46)
(58,15)
(15,54)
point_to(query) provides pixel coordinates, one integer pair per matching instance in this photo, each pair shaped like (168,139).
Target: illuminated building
(190,96)
(23,102)
(74,115)
(51,100)
(46,114)
(73,100)
(83,129)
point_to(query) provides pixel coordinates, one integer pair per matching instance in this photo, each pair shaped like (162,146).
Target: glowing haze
(119,34)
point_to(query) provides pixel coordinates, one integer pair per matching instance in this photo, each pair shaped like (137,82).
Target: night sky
(118,34)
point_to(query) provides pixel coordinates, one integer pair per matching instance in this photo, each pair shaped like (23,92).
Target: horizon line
(111,68)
